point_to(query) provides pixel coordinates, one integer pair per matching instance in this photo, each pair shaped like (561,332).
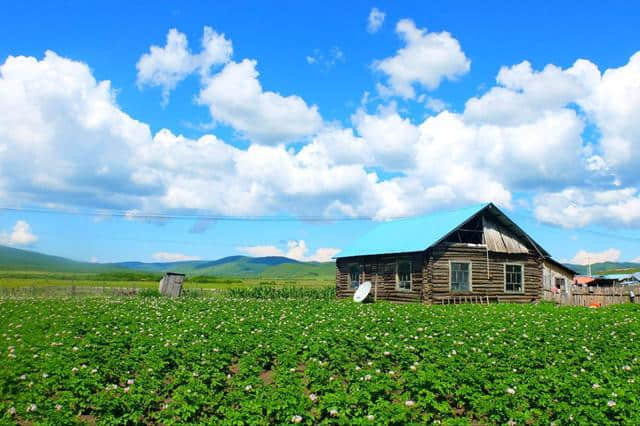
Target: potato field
(148,360)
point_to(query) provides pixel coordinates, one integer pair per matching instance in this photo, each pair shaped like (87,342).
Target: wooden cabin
(475,254)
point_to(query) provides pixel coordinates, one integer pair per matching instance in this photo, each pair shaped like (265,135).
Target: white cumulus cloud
(69,142)
(163,256)
(577,207)
(235,97)
(426,59)
(584,257)
(375,20)
(296,249)
(20,235)
(614,106)
(167,66)
(65,141)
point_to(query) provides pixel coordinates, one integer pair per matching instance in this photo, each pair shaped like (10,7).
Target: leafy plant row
(266,360)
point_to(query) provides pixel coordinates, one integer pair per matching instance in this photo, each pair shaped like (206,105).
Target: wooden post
(375,284)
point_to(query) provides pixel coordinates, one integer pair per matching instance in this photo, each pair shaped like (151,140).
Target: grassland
(135,279)
(151,360)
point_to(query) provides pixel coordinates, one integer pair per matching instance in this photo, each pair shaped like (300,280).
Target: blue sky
(339,120)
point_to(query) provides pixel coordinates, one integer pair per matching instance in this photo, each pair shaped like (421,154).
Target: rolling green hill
(242,266)
(25,260)
(232,266)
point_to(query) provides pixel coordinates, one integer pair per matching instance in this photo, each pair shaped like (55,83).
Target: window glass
(403,277)
(513,278)
(460,276)
(354,276)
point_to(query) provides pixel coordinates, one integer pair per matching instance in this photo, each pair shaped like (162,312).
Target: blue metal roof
(407,235)
(621,277)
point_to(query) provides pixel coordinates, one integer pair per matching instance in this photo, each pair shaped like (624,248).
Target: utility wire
(163,216)
(316,219)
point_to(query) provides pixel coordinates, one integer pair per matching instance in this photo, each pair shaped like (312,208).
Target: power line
(316,219)
(203,217)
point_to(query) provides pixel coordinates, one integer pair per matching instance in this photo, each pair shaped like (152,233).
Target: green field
(41,280)
(135,360)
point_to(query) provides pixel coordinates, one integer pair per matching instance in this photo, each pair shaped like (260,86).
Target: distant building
(607,280)
(470,254)
(556,277)
(619,279)
(583,280)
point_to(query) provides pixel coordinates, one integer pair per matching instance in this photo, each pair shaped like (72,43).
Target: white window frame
(521,265)
(360,270)
(398,288)
(470,263)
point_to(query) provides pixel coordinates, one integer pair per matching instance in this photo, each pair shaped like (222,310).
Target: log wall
(482,284)
(430,274)
(381,271)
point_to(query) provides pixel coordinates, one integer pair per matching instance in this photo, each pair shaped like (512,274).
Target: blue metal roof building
(419,233)
(472,254)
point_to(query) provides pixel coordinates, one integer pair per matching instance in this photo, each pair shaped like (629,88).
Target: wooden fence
(72,291)
(592,296)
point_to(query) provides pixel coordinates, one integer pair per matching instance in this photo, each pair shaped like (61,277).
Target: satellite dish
(362,292)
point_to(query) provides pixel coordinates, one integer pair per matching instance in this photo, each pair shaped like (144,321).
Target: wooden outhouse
(474,254)
(171,284)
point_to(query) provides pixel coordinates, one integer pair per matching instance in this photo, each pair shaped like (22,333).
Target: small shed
(171,284)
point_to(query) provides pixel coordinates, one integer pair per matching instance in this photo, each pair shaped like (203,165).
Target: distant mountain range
(232,266)
(241,266)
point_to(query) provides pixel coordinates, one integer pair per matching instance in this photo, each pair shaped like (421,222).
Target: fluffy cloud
(296,249)
(21,235)
(391,138)
(375,20)
(167,66)
(64,141)
(426,59)
(584,257)
(614,106)
(523,94)
(235,97)
(330,175)
(576,207)
(609,101)
(163,256)
(67,140)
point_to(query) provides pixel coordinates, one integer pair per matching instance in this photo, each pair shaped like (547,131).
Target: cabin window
(403,275)
(560,284)
(460,277)
(513,275)
(354,276)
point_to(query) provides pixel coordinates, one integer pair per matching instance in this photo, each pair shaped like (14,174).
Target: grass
(134,279)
